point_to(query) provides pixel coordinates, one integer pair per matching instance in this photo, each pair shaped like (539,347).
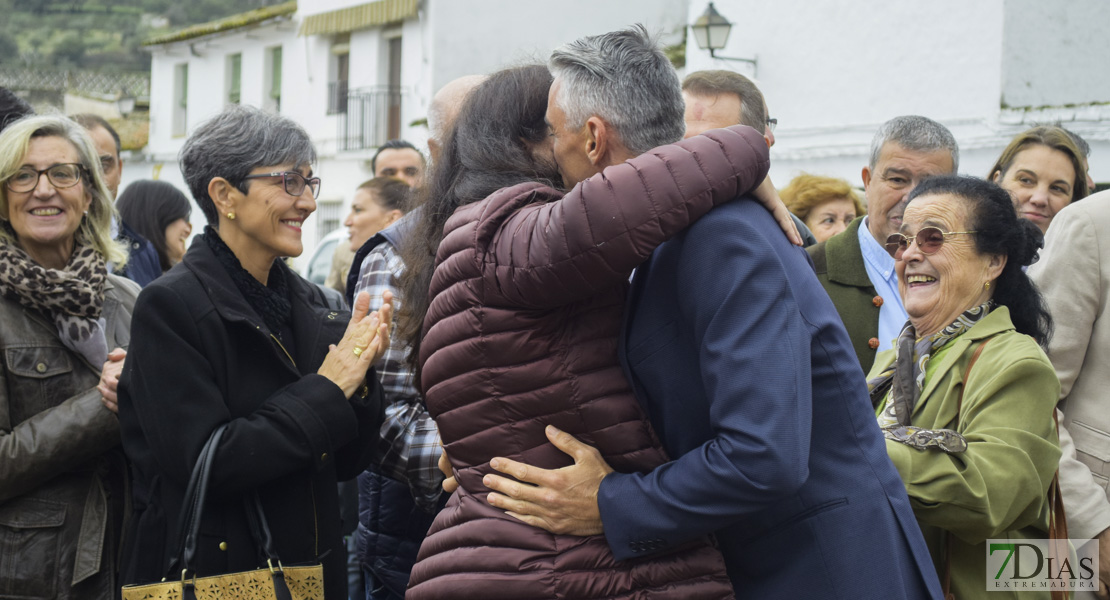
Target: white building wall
(447,39)
(207,88)
(1055,53)
(481,36)
(833,72)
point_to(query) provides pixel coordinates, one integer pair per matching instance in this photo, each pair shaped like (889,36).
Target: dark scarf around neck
(271,301)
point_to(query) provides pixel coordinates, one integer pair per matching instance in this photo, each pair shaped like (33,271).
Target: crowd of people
(577,351)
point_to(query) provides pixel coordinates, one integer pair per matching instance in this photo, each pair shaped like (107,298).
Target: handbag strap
(1057,519)
(192,511)
(192,506)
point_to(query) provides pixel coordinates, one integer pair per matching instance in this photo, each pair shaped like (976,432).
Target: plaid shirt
(408,447)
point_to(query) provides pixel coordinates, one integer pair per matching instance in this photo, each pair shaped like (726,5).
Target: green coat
(839,265)
(998,488)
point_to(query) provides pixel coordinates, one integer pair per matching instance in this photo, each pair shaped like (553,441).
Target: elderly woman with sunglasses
(966,397)
(62,473)
(232,336)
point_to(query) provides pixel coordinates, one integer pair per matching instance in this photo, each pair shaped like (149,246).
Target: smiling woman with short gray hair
(231,336)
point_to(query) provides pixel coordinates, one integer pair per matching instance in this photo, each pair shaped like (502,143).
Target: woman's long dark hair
(1000,231)
(489,148)
(149,207)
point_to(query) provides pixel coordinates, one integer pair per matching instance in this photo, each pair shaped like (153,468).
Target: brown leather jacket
(62,473)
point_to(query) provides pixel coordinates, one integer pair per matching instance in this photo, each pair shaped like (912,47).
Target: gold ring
(358,351)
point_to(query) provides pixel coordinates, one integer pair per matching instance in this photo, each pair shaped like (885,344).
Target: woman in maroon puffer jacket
(521,324)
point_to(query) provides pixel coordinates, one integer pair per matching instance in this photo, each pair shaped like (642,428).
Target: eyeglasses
(929,240)
(294,182)
(61,176)
(772,123)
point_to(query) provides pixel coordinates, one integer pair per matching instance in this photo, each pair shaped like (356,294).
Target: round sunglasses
(929,240)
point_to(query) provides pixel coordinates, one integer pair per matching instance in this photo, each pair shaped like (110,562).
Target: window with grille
(339,74)
(181,98)
(234,77)
(329,215)
(272,99)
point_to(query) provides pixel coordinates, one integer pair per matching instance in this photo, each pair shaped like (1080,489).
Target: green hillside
(101,35)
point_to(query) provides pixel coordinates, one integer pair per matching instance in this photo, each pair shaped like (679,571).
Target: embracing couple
(603,435)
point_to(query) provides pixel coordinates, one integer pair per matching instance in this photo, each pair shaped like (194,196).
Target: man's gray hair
(236,141)
(917,134)
(624,78)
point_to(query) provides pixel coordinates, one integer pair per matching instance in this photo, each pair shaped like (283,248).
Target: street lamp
(125,104)
(711,31)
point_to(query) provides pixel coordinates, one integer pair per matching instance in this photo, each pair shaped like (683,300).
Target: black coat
(200,356)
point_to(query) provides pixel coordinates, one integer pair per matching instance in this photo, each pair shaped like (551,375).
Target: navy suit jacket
(746,372)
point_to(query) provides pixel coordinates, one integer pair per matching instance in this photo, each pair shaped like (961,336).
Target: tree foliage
(99,34)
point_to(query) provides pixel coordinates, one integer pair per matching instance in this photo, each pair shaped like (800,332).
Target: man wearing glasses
(142,260)
(855,266)
(719,99)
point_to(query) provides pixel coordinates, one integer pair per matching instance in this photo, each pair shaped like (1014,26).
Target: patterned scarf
(905,377)
(72,297)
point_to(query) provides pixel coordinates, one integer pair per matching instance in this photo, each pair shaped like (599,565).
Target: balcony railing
(370,117)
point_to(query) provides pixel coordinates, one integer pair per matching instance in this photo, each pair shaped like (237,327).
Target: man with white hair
(745,371)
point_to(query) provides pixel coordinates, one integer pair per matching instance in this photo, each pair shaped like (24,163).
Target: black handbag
(275,582)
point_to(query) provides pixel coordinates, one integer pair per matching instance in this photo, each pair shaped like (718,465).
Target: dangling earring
(231,216)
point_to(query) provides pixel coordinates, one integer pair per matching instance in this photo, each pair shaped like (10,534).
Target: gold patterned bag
(303,583)
(271,583)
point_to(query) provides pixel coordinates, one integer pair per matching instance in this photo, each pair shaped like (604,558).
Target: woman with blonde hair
(825,204)
(62,474)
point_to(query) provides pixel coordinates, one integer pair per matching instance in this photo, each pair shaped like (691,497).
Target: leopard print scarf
(73,297)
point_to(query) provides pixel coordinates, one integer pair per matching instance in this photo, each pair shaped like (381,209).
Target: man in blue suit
(747,374)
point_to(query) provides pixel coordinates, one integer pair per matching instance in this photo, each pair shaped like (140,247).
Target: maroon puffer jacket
(522,331)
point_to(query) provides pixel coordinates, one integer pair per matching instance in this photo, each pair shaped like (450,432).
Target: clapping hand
(364,342)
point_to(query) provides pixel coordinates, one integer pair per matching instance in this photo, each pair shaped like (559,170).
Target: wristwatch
(946,440)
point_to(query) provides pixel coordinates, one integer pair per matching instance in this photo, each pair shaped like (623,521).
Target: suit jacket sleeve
(1070,278)
(170,387)
(559,252)
(759,392)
